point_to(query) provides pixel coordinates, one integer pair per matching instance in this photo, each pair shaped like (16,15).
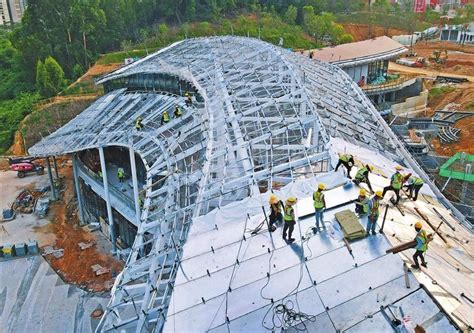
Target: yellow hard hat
(321,186)
(418,225)
(398,167)
(273,199)
(291,200)
(362,191)
(379,194)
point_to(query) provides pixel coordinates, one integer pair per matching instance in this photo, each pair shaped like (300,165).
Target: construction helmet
(321,186)
(379,194)
(291,200)
(398,168)
(362,192)
(139,118)
(418,225)
(273,199)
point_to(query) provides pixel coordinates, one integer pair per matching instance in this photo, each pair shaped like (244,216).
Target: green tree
(49,77)
(290,14)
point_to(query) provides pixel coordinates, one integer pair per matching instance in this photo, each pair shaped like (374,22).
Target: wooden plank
(405,246)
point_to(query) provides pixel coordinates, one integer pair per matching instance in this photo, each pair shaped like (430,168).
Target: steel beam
(105,181)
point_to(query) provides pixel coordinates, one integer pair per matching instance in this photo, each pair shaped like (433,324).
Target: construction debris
(350,225)
(8,215)
(84,246)
(99,270)
(42,206)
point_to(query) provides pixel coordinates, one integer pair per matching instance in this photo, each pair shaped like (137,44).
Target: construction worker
(421,246)
(362,176)
(374,204)
(99,173)
(189,100)
(276,207)
(319,206)
(120,175)
(140,201)
(177,112)
(165,118)
(362,203)
(289,219)
(138,123)
(395,184)
(348,161)
(414,184)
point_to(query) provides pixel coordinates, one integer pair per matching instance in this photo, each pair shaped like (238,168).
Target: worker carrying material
(348,161)
(189,100)
(165,118)
(177,112)
(362,176)
(276,207)
(289,219)
(362,203)
(138,123)
(121,175)
(421,246)
(414,185)
(374,204)
(319,206)
(395,184)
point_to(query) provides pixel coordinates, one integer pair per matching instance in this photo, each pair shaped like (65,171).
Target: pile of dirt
(75,265)
(462,95)
(361,31)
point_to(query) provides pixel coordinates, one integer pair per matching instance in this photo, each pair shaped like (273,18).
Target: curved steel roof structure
(263,116)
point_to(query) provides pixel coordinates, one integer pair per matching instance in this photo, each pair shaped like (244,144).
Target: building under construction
(189,214)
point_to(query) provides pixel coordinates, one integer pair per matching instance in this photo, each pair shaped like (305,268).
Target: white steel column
(135,184)
(78,188)
(107,198)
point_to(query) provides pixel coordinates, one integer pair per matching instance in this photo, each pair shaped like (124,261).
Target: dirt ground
(61,230)
(361,31)
(460,58)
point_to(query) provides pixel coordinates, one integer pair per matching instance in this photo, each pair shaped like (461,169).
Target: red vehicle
(23,168)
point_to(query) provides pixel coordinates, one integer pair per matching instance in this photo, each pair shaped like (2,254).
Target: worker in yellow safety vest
(189,100)
(348,161)
(362,176)
(319,203)
(421,246)
(120,175)
(138,123)
(395,184)
(374,205)
(362,203)
(289,219)
(165,118)
(276,207)
(414,185)
(177,112)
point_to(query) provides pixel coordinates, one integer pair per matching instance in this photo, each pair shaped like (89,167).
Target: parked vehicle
(23,168)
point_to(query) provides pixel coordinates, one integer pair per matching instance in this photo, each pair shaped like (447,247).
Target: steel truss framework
(266,119)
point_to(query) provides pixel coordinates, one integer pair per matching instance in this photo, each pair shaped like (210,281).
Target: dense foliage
(12,113)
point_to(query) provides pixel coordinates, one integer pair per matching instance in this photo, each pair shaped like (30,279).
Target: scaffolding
(262,117)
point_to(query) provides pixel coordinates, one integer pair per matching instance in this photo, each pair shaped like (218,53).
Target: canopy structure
(262,117)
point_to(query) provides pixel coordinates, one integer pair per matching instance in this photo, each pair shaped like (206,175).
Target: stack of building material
(350,225)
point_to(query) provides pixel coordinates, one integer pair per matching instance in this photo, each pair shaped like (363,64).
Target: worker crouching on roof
(289,218)
(138,124)
(177,112)
(348,161)
(362,176)
(165,118)
(319,206)
(395,184)
(421,246)
(362,203)
(374,205)
(414,185)
(276,207)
